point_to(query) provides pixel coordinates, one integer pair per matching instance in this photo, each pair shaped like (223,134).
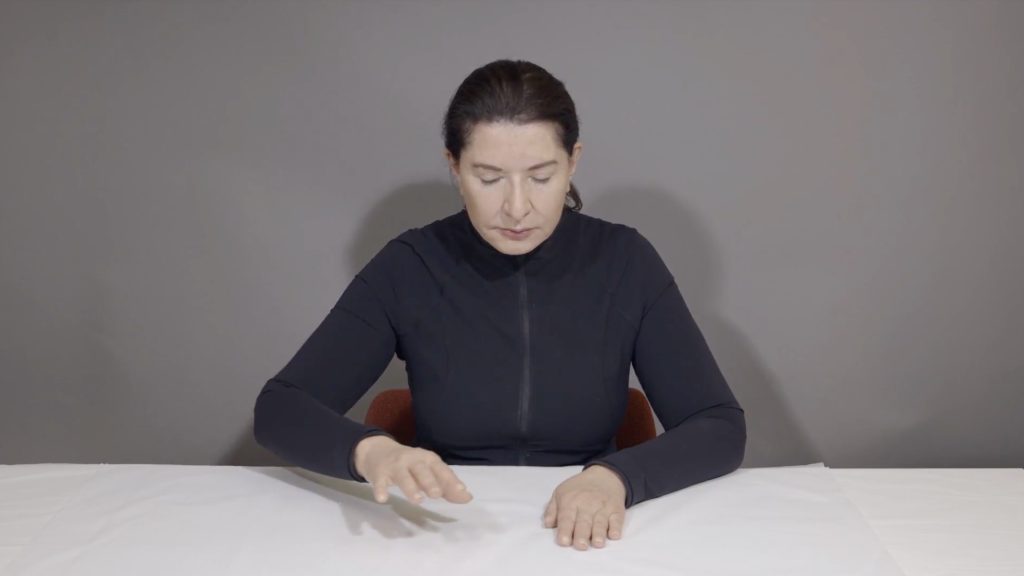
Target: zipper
(524,390)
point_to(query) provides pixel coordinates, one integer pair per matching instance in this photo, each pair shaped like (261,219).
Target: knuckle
(441,468)
(426,457)
(571,500)
(585,500)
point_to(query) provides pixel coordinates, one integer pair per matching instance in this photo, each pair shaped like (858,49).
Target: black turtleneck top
(513,360)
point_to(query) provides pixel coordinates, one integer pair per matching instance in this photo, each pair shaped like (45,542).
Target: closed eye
(538,180)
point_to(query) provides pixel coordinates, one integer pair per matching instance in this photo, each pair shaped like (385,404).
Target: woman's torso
(518,360)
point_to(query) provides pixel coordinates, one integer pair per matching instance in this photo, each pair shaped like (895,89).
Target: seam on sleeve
(388,267)
(376,299)
(716,416)
(656,299)
(616,287)
(631,259)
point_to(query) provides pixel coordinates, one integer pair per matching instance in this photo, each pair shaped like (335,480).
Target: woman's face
(513,179)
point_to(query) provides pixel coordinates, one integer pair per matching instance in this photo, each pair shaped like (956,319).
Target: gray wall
(186,188)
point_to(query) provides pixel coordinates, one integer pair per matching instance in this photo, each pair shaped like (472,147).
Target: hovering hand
(417,471)
(587,508)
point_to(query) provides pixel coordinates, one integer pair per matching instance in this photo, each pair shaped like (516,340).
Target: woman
(517,318)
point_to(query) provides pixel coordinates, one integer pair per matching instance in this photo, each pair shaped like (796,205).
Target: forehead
(513,146)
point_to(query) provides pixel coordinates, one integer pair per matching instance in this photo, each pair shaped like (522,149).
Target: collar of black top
(547,250)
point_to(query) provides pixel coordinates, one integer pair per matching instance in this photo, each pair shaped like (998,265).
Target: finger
(600,529)
(615,525)
(566,518)
(425,478)
(582,530)
(454,489)
(408,485)
(380,490)
(549,513)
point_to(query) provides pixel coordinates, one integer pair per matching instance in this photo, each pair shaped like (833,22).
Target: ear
(577,151)
(454,171)
(453,166)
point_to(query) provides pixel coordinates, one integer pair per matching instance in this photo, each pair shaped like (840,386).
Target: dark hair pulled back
(515,91)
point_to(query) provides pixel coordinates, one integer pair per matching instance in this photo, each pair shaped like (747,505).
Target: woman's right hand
(384,462)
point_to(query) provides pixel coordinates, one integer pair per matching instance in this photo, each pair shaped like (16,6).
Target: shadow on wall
(773,436)
(407,207)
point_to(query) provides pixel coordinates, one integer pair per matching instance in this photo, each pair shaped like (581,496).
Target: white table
(79,519)
(944,521)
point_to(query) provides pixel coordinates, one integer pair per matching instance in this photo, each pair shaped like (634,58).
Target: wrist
(365,447)
(611,474)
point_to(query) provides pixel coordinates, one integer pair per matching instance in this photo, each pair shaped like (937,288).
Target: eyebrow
(496,169)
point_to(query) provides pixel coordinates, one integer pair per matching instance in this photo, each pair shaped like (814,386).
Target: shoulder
(603,231)
(407,253)
(625,248)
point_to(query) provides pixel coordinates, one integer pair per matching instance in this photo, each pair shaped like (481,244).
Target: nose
(517,203)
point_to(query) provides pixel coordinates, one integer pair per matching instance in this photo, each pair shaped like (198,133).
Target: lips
(515,233)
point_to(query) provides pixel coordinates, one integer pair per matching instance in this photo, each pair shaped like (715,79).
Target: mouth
(516,233)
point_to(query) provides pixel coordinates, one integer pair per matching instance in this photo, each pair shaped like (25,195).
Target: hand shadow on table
(396,518)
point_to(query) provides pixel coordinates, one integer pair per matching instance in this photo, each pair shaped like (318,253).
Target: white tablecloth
(943,522)
(77,519)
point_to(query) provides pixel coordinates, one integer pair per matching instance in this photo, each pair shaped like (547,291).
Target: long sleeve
(299,413)
(705,429)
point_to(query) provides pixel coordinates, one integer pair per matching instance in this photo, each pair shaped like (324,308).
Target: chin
(512,248)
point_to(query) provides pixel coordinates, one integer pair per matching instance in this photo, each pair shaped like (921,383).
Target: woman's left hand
(587,508)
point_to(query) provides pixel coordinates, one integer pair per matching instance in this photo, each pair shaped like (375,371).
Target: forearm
(301,430)
(706,445)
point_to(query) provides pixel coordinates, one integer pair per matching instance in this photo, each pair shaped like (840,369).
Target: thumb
(549,513)
(380,490)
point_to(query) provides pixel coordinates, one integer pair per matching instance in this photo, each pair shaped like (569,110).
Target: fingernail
(460,486)
(565,539)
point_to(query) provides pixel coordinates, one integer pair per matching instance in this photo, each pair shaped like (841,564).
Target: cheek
(554,192)
(483,201)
